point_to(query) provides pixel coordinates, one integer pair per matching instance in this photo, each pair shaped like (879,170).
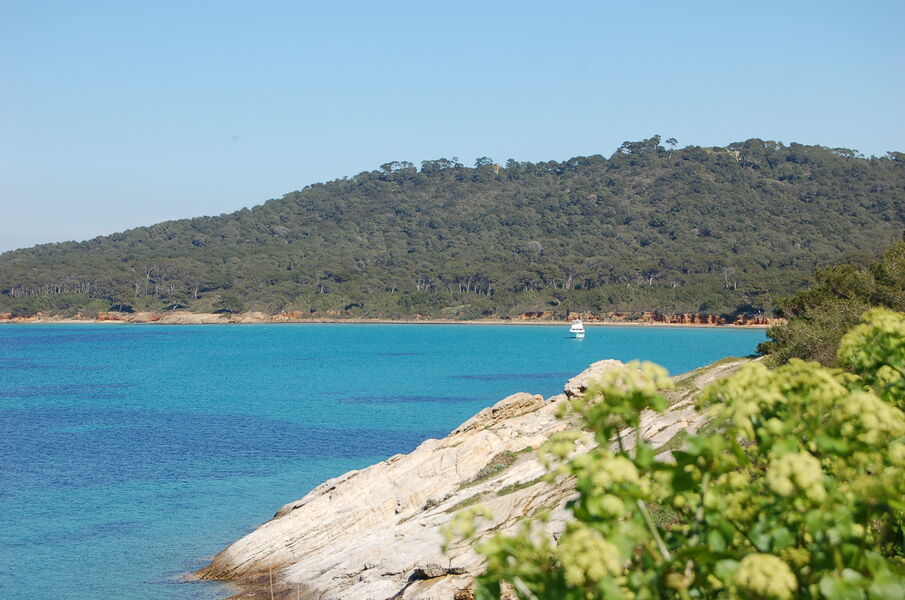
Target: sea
(130,454)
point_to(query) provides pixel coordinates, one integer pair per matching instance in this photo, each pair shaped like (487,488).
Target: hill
(708,230)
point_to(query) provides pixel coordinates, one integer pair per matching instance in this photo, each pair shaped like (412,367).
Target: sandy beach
(257,318)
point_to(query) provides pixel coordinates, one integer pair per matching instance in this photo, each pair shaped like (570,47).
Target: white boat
(577,329)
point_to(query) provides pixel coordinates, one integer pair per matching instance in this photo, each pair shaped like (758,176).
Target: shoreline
(210,319)
(307,549)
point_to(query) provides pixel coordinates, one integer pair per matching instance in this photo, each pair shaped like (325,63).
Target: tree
(818,316)
(432,167)
(672,143)
(396,166)
(690,217)
(229,303)
(796,491)
(644,146)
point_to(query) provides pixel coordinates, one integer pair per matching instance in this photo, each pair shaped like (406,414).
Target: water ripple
(407,399)
(81,390)
(77,447)
(513,376)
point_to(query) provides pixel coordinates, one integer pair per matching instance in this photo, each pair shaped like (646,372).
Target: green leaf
(739,453)
(786,445)
(715,541)
(841,588)
(760,537)
(699,554)
(887,587)
(814,522)
(644,455)
(832,445)
(695,445)
(782,538)
(725,569)
(683,481)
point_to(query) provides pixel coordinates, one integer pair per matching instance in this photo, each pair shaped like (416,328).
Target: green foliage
(797,493)
(716,230)
(819,316)
(498,463)
(875,351)
(514,487)
(467,502)
(229,303)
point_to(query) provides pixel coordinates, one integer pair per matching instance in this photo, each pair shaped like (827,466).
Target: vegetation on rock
(796,493)
(699,230)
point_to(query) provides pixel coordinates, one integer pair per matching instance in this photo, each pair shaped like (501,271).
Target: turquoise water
(130,453)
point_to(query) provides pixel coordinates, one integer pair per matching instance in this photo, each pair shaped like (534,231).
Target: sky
(121,113)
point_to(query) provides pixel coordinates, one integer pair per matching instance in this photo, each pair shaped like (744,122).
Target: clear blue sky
(125,113)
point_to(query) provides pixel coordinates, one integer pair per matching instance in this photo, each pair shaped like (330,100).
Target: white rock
(578,384)
(376,533)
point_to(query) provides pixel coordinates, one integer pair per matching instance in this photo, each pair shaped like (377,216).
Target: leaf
(840,588)
(760,537)
(887,587)
(699,554)
(715,541)
(658,403)
(683,481)
(786,446)
(725,569)
(813,522)
(782,538)
(644,455)
(739,453)
(695,445)
(833,445)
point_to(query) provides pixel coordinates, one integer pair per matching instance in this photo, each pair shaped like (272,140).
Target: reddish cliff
(652,317)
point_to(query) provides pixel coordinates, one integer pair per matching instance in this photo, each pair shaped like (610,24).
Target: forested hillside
(717,230)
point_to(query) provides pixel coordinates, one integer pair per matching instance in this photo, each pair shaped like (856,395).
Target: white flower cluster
(765,576)
(798,472)
(870,420)
(587,557)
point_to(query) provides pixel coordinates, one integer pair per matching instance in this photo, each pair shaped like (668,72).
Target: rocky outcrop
(110,316)
(539,315)
(578,384)
(179,317)
(515,405)
(376,533)
(10,318)
(289,315)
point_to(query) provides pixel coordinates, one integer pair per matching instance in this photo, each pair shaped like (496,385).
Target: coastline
(398,507)
(185,318)
(391,387)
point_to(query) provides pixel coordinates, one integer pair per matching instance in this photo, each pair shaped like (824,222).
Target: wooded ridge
(651,228)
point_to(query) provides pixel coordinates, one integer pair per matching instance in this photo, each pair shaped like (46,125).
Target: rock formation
(376,533)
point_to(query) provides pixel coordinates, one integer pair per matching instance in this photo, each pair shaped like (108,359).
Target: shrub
(819,316)
(797,492)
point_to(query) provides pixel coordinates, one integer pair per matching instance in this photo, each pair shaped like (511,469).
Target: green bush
(798,492)
(819,316)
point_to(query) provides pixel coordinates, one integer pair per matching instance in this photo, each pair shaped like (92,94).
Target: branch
(653,530)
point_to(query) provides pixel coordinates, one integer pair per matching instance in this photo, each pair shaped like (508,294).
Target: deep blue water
(129,453)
